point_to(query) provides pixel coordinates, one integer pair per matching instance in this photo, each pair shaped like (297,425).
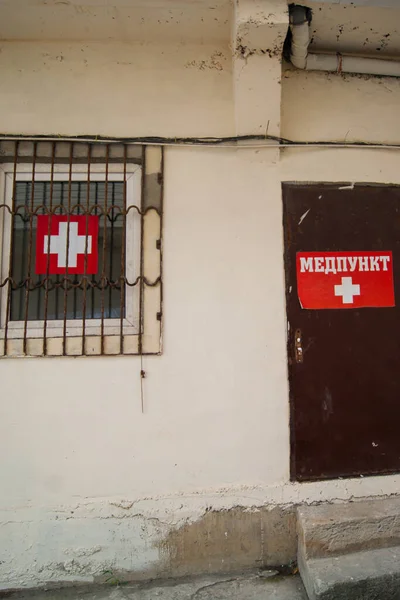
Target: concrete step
(369,575)
(335,529)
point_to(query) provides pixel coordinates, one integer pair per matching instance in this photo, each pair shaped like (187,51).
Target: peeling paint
(124,504)
(244,51)
(83,552)
(303,216)
(216,62)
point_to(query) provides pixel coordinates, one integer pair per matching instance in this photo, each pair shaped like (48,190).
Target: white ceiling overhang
(366,27)
(159,21)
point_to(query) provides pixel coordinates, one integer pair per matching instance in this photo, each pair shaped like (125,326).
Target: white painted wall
(116,88)
(352,108)
(78,455)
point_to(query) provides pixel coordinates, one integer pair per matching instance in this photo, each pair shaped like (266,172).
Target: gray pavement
(248,586)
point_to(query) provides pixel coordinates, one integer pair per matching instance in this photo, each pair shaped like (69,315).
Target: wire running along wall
(81,263)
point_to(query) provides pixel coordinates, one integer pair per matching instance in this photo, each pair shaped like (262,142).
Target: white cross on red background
(347,290)
(76,245)
(67,244)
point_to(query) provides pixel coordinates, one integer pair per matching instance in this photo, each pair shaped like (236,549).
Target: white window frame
(74,327)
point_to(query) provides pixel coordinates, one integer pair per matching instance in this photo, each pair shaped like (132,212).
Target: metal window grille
(81,262)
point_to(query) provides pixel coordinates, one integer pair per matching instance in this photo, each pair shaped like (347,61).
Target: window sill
(90,345)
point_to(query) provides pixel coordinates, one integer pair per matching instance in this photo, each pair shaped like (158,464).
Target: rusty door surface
(345,387)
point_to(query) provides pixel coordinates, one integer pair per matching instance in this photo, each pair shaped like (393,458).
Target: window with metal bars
(81,248)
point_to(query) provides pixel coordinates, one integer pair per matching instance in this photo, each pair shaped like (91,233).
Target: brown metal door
(345,387)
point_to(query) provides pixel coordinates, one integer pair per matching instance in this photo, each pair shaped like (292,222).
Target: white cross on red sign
(347,290)
(67,244)
(345,279)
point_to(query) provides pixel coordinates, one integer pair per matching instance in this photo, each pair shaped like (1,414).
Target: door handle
(298,347)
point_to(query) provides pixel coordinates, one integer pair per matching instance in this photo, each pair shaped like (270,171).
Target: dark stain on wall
(227,540)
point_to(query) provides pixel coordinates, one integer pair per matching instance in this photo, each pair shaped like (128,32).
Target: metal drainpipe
(336,63)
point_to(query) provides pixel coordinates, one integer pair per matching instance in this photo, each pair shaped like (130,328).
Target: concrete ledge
(335,529)
(122,540)
(367,575)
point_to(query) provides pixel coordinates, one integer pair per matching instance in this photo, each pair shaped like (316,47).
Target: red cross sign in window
(67,244)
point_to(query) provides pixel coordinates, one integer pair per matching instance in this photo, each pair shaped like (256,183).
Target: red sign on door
(65,244)
(345,279)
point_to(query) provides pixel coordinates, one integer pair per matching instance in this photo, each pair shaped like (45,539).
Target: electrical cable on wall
(270,141)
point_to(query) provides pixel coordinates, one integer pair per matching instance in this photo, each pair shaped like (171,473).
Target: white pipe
(352,64)
(336,63)
(300,42)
